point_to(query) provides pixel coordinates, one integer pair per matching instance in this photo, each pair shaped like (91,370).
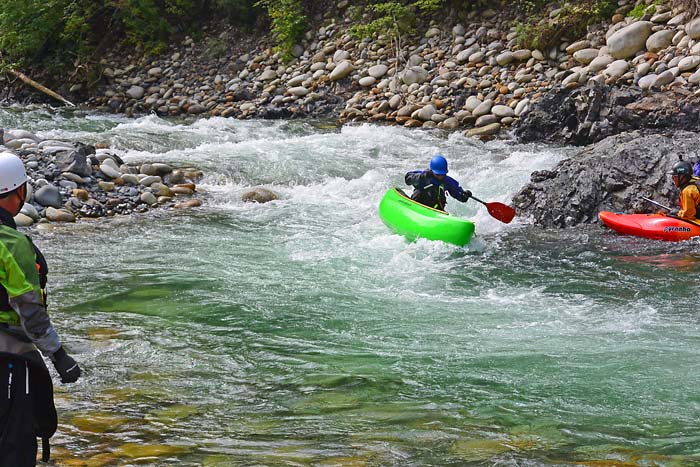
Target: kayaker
(27,410)
(430,185)
(689,198)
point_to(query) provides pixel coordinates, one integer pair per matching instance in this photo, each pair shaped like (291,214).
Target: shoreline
(473,77)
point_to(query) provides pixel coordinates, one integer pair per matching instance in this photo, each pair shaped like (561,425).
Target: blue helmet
(438,165)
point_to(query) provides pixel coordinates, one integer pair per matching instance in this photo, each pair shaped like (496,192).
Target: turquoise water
(303,333)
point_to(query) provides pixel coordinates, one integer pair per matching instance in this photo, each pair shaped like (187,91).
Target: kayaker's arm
(456,191)
(417,178)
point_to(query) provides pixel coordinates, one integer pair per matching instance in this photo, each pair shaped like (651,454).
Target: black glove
(466,194)
(673,212)
(67,368)
(428,174)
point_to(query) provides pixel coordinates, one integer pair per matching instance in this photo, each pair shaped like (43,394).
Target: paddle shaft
(477,200)
(652,202)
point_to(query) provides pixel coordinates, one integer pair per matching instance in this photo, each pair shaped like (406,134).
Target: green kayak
(413,220)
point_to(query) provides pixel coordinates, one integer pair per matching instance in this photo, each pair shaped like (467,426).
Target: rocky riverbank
(612,175)
(472,77)
(68,181)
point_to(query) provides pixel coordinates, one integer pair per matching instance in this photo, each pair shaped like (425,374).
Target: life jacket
(7,314)
(432,195)
(693,181)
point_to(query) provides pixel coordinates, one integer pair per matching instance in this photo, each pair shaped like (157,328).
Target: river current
(302,332)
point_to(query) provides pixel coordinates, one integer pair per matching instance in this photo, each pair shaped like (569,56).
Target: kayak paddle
(656,204)
(498,211)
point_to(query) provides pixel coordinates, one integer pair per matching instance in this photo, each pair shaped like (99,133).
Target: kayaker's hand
(466,194)
(66,367)
(660,213)
(673,212)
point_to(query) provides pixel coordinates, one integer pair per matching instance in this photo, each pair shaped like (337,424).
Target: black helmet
(682,168)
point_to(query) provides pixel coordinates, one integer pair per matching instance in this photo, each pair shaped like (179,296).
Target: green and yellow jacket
(23,273)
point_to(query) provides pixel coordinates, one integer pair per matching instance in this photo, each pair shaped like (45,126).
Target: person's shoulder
(14,241)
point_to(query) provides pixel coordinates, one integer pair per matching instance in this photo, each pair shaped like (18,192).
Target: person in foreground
(689,199)
(27,409)
(430,185)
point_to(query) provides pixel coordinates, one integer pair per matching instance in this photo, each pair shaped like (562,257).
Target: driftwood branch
(40,87)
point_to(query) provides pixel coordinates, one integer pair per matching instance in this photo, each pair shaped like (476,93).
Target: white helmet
(12,172)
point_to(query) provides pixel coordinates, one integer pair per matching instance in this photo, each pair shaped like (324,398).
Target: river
(303,333)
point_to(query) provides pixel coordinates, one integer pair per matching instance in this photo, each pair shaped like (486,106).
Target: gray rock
(660,40)
(486,120)
(664,78)
(48,195)
(424,114)
(130,179)
(646,82)
(414,75)
(586,56)
(502,111)
(343,69)
(259,195)
(505,58)
(483,108)
(268,75)
(629,40)
(9,135)
(616,69)
(136,92)
(109,170)
(600,63)
(298,91)
(340,56)
(22,220)
(367,81)
(487,130)
(472,103)
(30,211)
(580,187)
(149,198)
(59,215)
(74,161)
(297,80)
(689,63)
(377,71)
(693,28)
(150,180)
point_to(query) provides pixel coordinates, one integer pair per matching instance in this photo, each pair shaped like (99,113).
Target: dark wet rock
(259,195)
(611,175)
(76,161)
(590,114)
(48,195)
(587,115)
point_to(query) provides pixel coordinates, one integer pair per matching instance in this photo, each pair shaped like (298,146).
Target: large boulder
(588,114)
(611,175)
(629,40)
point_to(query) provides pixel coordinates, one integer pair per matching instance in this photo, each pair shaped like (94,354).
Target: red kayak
(654,226)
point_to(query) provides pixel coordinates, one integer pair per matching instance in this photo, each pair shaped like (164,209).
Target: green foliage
(34,30)
(288,23)
(392,18)
(572,21)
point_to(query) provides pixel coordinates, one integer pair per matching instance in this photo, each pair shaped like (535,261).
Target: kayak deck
(413,220)
(652,226)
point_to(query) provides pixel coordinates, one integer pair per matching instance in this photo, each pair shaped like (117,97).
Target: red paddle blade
(501,212)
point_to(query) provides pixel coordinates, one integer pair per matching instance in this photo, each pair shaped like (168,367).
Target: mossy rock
(103,334)
(172,413)
(99,422)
